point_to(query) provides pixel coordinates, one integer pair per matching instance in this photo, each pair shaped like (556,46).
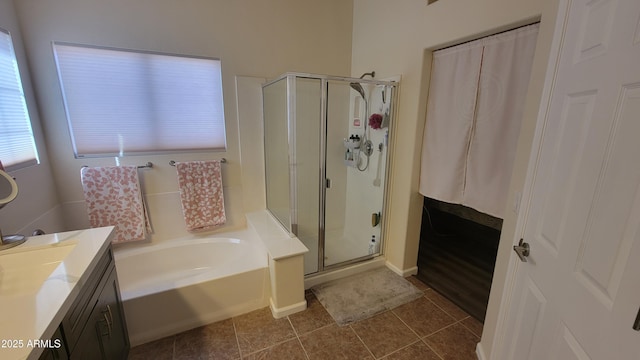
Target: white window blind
(17,146)
(122,102)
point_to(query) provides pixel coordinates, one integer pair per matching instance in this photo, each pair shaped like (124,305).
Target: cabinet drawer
(76,319)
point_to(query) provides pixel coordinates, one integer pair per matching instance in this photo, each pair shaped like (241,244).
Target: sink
(25,271)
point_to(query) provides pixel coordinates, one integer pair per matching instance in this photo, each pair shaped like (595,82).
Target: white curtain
(469,144)
(450,112)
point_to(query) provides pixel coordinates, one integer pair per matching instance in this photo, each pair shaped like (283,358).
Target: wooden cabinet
(105,335)
(95,327)
(55,352)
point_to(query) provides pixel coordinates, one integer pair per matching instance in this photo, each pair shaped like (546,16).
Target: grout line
(277,343)
(173,346)
(407,325)
(295,331)
(439,330)
(446,327)
(359,338)
(322,327)
(430,348)
(402,348)
(235,332)
(445,311)
(469,328)
(270,346)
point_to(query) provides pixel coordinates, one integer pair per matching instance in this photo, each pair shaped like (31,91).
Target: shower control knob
(522,249)
(368,148)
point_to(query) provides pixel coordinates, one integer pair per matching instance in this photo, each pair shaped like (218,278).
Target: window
(17,146)
(122,102)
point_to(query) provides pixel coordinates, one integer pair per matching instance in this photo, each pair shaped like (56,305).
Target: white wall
(253,38)
(398,37)
(37,203)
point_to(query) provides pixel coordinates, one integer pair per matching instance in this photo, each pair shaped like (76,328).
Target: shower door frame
(292,227)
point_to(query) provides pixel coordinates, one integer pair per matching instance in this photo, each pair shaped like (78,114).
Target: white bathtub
(180,284)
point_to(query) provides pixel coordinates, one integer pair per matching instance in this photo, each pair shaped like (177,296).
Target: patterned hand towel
(113,197)
(201,194)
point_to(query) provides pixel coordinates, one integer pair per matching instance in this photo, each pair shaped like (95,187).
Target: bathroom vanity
(59,298)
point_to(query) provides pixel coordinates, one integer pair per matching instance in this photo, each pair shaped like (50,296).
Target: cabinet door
(111,327)
(54,353)
(88,345)
(78,317)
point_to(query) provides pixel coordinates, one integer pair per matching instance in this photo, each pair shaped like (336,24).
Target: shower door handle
(328,183)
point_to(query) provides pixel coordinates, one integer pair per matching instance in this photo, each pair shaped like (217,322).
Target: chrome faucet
(9,241)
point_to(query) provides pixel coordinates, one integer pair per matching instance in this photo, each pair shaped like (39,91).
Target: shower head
(357,87)
(372,74)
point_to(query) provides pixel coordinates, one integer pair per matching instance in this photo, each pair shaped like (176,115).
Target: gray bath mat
(363,295)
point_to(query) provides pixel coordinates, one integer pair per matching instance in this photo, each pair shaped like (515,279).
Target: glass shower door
(326,165)
(276,145)
(355,165)
(306,127)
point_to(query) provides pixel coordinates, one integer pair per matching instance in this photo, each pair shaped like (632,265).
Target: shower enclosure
(326,156)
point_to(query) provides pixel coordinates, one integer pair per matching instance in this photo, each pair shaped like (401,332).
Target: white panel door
(578,294)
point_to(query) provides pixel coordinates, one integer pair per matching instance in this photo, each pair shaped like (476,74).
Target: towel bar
(173,163)
(147,165)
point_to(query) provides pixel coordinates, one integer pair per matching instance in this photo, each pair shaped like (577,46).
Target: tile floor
(429,328)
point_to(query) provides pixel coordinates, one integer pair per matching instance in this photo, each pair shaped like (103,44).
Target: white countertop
(39,281)
(279,243)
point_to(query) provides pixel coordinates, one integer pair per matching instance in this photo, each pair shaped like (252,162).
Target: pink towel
(201,194)
(113,197)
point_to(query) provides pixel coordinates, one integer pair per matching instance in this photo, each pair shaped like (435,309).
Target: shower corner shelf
(352,152)
(351,144)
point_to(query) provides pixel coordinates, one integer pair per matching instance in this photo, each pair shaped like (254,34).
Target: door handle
(522,249)
(110,313)
(106,320)
(636,324)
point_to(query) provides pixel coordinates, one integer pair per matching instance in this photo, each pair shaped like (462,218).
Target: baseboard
(287,310)
(403,273)
(480,352)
